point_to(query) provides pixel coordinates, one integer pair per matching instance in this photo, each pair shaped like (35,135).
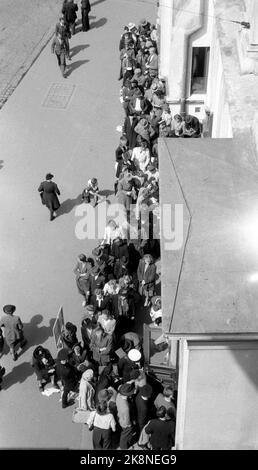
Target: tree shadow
(1,164)
(68,205)
(76,49)
(17,375)
(35,334)
(75,65)
(99,23)
(106,192)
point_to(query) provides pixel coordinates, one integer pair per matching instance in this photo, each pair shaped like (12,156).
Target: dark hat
(134,374)
(127,390)
(146,391)
(82,257)
(128,344)
(151,168)
(63,354)
(94,180)
(70,327)
(9,309)
(49,176)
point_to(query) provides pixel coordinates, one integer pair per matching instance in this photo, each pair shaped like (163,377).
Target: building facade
(209,61)
(198,39)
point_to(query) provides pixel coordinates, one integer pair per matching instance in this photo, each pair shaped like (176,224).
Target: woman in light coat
(86,391)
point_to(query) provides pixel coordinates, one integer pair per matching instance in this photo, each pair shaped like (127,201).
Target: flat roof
(210,284)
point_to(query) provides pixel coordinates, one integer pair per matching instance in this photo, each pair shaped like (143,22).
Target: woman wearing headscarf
(82,273)
(44,366)
(103,424)
(86,391)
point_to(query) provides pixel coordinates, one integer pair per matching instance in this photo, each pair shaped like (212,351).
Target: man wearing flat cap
(13,329)
(48,192)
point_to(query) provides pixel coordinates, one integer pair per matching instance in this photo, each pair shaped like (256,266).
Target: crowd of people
(105,373)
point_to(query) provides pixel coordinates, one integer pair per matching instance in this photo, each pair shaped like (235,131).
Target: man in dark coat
(85,8)
(69,11)
(48,193)
(161,430)
(68,374)
(128,130)
(143,406)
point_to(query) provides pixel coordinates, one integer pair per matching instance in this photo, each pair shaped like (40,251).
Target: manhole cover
(58,96)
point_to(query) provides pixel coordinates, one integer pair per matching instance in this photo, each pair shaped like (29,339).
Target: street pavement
(38,256)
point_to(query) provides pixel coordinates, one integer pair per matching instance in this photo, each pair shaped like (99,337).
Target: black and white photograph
(128,228)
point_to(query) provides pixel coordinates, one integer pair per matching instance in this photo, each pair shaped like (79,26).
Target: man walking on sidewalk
(48,193)
(69,11)
(86,8)
(13,329)
(60,48)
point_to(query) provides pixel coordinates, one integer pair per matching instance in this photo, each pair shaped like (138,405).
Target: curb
(25,67)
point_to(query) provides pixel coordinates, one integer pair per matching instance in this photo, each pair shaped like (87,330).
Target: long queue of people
(104,374)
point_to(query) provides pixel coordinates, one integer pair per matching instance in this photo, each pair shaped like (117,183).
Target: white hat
(131,26)
(134,355)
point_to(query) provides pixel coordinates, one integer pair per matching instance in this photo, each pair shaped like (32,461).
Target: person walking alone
(48,193)
(69,11)
(60,46)
(85,9)
(13,330)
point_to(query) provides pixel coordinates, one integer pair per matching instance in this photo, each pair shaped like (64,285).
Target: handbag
(80,416)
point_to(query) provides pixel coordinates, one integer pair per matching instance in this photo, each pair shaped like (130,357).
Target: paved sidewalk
(75,142)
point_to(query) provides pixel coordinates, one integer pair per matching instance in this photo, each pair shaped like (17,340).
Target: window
(200,67)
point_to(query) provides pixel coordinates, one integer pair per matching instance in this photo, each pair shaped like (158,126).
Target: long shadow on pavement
(35,334)
(68,205)
(75,66)
(93,4)
(106,192)
(99,23)
(76,49)
(17,375)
